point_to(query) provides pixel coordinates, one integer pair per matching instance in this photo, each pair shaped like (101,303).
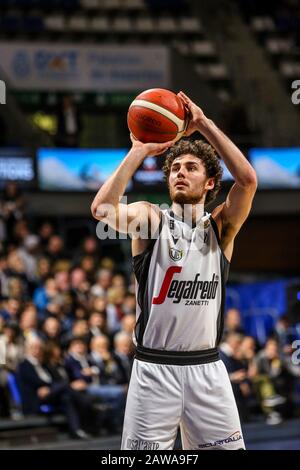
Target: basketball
(157,115)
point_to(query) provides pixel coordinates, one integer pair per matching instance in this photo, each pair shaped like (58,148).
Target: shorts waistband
(178,358)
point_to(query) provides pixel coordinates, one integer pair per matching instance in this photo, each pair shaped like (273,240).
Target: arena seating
(119,21)
(276,26)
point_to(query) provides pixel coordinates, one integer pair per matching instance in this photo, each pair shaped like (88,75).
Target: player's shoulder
(145,205)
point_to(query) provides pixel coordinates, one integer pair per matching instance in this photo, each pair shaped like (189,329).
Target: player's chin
(181,197)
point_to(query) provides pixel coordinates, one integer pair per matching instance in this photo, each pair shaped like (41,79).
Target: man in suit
(69,124)
(38,387)
(123,353)
(92,369)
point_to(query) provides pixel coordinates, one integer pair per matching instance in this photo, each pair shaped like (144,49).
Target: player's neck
(190,213)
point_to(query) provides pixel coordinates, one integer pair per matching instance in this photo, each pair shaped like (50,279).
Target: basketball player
(181,271)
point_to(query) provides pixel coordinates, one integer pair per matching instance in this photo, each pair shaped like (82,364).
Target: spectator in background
(51,330)
(12,346)
(3,275)
(45,232)
(28,254)
(230,353)
(98,324)
(29,322)
(62,279)
(88,264)
(59,308)
(119,282)
(80,313)
(16,269)
(16,288)
(55,248)
(104,280)
(131,287)
(44,294)
(77,363)
(99,304)
(128,324)
(274,382)
(115,312)
(90,247)
(69,124)
(123,350)
(20,232)
(76,389)
(129,304)
(11,309)
(248,351)
(80,287)
(80,329)
(284,333)
(12,207)
(111,371)
(80,366)
(38,387)
(233,322)
(43,269)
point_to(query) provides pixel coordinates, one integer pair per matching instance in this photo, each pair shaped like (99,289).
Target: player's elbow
(94,210)
(250,180)
(253,179)
(98,210)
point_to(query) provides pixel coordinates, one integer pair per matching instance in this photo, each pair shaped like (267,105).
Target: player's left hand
(195,114)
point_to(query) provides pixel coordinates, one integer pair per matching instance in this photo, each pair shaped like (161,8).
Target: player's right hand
(152,149)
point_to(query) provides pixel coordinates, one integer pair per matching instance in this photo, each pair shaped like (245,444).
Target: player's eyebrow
(189,162)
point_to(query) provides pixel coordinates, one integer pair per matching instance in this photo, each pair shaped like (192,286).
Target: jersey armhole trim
(153,240)
(216,230)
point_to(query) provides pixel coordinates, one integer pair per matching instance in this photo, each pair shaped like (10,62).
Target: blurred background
(67,306)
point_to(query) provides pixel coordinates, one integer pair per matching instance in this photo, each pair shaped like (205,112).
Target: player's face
(188,182)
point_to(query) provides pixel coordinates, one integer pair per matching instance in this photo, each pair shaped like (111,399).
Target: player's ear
(210,184)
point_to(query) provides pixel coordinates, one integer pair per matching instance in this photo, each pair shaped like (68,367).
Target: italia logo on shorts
(236,436)
(194,292)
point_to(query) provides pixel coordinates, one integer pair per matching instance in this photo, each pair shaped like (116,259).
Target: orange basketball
(157,115)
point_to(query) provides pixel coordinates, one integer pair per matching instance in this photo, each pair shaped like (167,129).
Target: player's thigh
(153,408)
(210,418)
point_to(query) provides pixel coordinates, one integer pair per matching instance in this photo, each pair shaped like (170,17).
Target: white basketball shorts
(197,398)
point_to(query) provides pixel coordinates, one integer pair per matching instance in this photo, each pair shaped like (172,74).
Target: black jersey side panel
(141,264)
(225,265)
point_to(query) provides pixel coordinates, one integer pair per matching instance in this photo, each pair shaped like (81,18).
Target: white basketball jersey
(180,286)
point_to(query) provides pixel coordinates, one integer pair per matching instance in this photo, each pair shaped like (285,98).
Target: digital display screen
(87,169)
(17,165)
(276,167)
(76,169)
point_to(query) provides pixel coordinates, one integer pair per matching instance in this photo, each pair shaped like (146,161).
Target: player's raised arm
(231,215)
(106,205)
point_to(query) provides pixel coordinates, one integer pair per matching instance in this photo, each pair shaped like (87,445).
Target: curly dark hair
(208,156)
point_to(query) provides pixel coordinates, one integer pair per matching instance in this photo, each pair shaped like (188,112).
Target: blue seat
(14,390)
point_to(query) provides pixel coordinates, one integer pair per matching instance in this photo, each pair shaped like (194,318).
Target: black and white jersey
(180,286)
